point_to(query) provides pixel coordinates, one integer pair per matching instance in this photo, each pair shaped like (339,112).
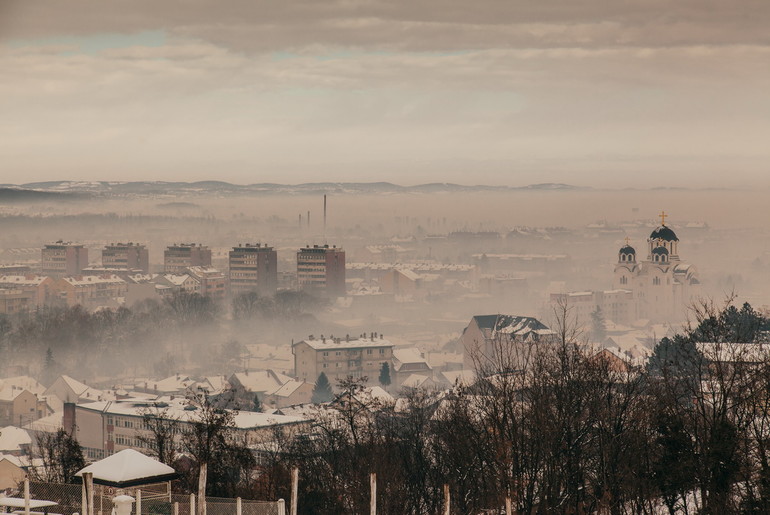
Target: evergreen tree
(385,374)
(323,390)
(598,330)
(257,404)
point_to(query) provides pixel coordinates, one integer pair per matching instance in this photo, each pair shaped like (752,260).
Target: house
(66,389)
(482,339)
(406,362)
(21,401)
(14,441)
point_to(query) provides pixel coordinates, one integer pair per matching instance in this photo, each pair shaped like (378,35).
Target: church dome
(627,249)
(663,233)
(660,250)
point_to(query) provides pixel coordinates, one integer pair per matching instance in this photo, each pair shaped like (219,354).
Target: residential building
(126,256)
(488,338)
(62,258)
(321,270)
(408,362)
(167,284)
(21,401)
(339,358)
(253,267)
(91,291)
(213,283)
(39,288)
(105,427)
(15,301)
(178,257)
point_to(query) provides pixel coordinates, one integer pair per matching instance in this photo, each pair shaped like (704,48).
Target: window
(369,351)
(382,351)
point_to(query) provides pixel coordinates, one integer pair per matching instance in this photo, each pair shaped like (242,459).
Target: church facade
(662,285)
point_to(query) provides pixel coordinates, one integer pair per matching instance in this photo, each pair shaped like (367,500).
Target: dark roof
(627,249)
(510,323)
(486,321)
(660,250)
(663,233)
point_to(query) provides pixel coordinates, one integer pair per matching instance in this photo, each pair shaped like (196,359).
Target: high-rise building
(177,258)
(253,267)
(61,259)
(126,256)
(321,270)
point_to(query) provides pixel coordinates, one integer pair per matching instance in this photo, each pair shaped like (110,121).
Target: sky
(612,93)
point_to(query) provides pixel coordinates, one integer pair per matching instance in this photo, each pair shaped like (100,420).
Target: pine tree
(257,404)
(598,330)
(323,390)
(385,374)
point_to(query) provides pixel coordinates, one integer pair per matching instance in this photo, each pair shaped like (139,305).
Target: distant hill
(155,188)
(11,194)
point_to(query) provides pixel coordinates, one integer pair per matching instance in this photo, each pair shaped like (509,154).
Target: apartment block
(178,257)
(253,267)
(321,270)
(126,256)
(62,258)
(339,358)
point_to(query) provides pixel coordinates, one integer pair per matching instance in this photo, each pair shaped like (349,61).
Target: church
(662,285)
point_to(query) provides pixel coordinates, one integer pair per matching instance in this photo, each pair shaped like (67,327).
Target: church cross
(663,217)
(628,240)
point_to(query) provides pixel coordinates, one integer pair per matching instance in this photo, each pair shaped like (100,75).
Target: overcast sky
(591,92)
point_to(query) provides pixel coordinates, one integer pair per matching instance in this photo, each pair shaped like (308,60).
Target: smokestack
(324,218)
(308,219)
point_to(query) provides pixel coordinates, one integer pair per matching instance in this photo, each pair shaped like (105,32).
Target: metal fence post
(238,508)
(281,507)
(138,501)
(176,508)
(192,504)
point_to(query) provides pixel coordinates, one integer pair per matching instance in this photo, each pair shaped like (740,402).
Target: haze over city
(407,258)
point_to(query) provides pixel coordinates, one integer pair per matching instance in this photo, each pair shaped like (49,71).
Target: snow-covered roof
(12,438)
(128,468)
(341,344)
(86,280)
(181,410)
(260,380)
(416,381)
(23,280)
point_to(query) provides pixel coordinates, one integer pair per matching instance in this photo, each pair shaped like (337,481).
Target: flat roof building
(126,256)
(63,258)
(178,257)
(321,270)
(253,267)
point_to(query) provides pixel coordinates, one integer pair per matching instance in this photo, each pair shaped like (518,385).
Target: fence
(156,500)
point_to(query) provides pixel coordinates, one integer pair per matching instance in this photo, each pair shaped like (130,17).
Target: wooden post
(89,479)
(192,504)
(202,488)
(138,501)
(238,507)
(373,498)
(294,481)
(508,505)
(26,496)
(176,508)
(447,500)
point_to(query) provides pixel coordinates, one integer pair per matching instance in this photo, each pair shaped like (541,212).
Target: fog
(721,232)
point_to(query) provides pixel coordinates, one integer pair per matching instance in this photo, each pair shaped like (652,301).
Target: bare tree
(164,429)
